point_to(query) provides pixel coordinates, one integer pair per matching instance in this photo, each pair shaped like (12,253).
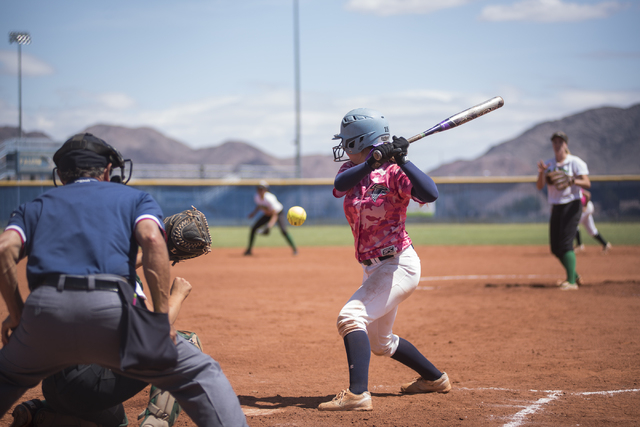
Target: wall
(512,199)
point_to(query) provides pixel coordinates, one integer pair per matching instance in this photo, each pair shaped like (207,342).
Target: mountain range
(607,139)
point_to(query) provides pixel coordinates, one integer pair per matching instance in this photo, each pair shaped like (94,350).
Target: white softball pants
(373,307)
(586,219)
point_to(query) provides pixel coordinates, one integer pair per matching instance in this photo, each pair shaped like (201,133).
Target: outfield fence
(471,199)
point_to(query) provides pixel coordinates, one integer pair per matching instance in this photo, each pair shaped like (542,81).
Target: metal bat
(456,120)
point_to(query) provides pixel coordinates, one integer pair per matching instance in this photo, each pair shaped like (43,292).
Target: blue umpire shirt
(82,228)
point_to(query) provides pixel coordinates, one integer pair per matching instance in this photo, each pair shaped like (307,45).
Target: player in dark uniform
(81,241)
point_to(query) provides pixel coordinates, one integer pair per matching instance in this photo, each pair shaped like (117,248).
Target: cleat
(606,248)
(24,413)
(347,401)
(566,286)
(579,248)
(420,385)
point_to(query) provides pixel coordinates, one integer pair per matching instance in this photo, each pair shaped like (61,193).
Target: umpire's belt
(97,282)
(371,261)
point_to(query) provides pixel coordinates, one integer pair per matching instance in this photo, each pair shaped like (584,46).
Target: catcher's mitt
(559,179)
(188,235)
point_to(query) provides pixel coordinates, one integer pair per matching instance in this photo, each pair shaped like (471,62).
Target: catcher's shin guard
(162,411)
(192,338)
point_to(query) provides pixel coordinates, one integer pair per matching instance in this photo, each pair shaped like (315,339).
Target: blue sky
(204,72)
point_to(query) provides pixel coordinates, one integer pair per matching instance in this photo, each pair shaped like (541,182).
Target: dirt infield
(518,350)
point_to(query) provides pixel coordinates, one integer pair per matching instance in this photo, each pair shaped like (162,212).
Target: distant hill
(9,132)
(146,145)
(607,139)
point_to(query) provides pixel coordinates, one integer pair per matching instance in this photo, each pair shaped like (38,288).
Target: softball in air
(296,216)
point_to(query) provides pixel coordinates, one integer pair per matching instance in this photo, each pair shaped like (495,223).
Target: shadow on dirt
(278,401)
(520,285)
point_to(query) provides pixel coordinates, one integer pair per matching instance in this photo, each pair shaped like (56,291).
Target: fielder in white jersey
(272,214)
(565,204)
(376,195)
(586,220)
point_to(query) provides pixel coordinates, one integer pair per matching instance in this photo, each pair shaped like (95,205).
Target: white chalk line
(521,416)
(517,419)
(487,276)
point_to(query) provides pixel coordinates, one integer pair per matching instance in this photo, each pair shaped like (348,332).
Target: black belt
(368,262)
(98,282)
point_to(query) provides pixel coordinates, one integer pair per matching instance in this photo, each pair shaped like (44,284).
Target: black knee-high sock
(289,239)
(409,356)
(600,239)
(358,350)
(578,238)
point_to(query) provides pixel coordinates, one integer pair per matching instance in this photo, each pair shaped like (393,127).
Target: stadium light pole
(296,60)
(20,38)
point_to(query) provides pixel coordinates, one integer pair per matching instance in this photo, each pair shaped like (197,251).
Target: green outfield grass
(427,234)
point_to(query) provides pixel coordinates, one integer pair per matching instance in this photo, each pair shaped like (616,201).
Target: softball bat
(456,120)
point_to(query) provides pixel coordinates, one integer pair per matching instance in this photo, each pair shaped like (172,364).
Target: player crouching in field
(377,183)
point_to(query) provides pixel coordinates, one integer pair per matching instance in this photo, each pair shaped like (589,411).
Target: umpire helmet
(360,128)
(85,150)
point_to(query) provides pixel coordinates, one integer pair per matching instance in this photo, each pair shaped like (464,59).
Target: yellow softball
(296,215)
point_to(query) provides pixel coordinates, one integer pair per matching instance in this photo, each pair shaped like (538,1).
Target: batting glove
(385,152)
(400,149)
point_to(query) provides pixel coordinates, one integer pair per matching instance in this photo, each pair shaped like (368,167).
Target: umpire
(81,241)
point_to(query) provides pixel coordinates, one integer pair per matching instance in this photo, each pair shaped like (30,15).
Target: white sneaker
(347,401)
(420,385)
(606,248)
(566,286)
(579,248)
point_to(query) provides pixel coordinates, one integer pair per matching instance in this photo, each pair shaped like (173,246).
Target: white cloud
(402,7)
(116,101)
(266,119)
(550,11)
(31,66)
(575,100)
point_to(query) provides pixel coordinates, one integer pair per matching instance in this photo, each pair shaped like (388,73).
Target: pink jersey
(376,209)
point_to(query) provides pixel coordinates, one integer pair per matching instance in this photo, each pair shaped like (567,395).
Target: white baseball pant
(373,307)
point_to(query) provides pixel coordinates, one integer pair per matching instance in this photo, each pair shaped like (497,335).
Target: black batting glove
(379,155)
(400,149)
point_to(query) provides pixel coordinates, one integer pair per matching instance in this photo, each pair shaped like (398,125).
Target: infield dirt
(518,350)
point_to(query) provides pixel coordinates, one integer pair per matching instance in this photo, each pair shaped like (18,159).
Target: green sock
(569,262)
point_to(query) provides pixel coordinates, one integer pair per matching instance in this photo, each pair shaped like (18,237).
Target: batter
(376,195)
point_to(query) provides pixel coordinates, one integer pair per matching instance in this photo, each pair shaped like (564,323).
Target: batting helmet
(360,128)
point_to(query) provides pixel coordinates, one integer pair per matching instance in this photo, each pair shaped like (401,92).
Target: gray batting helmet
(360,128)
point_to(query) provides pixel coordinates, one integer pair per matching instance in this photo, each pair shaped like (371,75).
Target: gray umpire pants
(62,328)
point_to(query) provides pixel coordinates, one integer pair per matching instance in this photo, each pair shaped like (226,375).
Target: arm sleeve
(349,178)
(423,188)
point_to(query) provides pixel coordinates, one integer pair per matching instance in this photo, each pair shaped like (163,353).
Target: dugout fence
(471,199)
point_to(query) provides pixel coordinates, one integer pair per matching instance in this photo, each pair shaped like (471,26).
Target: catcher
(92,396)
(564,175)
